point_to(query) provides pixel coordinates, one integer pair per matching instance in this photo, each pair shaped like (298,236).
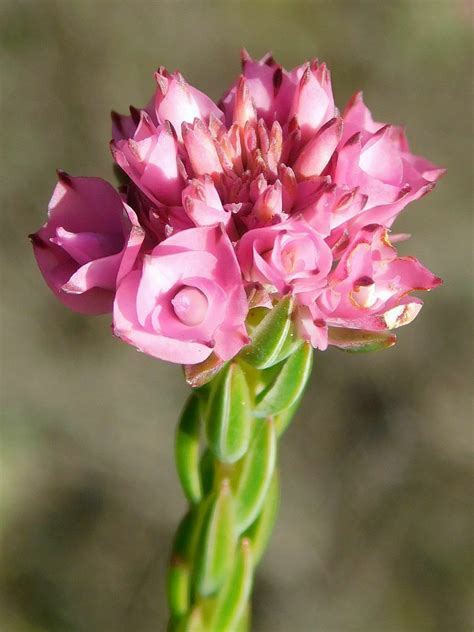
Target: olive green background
(373,531)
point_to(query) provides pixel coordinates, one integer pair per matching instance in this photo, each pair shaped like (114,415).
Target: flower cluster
(229,206)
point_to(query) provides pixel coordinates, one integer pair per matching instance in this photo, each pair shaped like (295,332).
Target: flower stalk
(226,456)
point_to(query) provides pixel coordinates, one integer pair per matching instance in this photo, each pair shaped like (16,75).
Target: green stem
(226,455)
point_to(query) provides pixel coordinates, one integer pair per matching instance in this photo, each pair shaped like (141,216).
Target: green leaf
(244,622)
(187,449)
(179,567)
(255,474)
(178,587)
(288,385)
(182,543)
(359,341)
(231,602)
(269,336)
(229,415)
(260,531)
(290,345)
(254,318)
(216,545)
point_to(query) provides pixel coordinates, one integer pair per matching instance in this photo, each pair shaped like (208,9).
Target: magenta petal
(150,342)
(381,159)
(182,104)
(312,105)
(228,342)
(317,153)
(99,273)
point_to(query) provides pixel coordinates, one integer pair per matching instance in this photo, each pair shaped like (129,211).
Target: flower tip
(186,129)
(306,76)
(71,288)
(277,79)
(161,81)
(135,114)
(356,98)
(244,57)
(145,117)
(268,59)
(64,178)
(169,128)
(354,139)
(36,241)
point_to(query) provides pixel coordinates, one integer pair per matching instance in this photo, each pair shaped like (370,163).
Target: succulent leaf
(255,474)
(178,587)
(187,449)
(216,544)
(269,336)
(229,415)
(359,341)
(288,384)
(291,344)
(232,600)
(259,532)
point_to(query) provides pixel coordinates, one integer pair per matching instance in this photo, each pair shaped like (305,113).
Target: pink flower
(370,287)
(288,257)
(150,158)
(178,102)
(376,159)
(174,101)
(89,243)
(187,301)
(266,90)
(277,149)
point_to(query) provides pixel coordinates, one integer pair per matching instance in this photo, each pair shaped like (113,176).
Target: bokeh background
(373,533)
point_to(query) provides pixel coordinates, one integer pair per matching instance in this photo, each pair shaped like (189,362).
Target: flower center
(190,306)
(288,259)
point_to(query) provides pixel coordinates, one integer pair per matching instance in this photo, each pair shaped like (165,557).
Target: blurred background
(373,532)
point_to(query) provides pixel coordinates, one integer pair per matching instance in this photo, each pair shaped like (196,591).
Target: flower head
(271,189)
